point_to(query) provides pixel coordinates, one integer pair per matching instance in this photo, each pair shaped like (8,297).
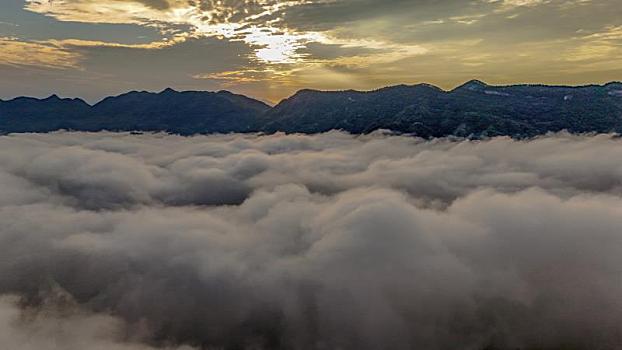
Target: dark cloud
(116,241)
(323,15)
(329,52)
(156,4)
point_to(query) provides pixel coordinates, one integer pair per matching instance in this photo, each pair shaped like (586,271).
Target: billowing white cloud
(122,241)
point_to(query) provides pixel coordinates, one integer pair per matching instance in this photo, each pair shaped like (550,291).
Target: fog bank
(331,241)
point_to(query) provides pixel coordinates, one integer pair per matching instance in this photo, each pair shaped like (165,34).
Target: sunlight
(273,46)
(269,41)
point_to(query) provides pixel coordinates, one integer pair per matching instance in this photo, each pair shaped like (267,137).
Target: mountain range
(474,109)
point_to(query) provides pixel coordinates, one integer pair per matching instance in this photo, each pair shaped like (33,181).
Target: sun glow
(270,42)
(260,24)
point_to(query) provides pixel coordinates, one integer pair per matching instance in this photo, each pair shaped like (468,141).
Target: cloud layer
(117,241)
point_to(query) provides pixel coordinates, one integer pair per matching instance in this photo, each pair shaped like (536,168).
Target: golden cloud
(41,54)
(255,22)
(61,54)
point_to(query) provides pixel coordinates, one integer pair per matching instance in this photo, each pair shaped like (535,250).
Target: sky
(268,49)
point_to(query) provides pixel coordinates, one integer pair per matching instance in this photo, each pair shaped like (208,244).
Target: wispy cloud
(257,23)
(40,54)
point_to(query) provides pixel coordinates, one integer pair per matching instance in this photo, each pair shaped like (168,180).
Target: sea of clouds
(332,241)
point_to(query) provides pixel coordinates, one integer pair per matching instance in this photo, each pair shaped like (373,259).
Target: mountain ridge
(604,85)
(473,109)
(612,82)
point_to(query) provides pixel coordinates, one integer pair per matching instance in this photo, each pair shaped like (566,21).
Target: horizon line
(271,104)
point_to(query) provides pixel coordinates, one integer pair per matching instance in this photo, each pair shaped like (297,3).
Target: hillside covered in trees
(474,109)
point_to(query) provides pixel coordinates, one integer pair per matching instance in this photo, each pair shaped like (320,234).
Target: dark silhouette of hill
(27,114)
(474,109)
(187,112)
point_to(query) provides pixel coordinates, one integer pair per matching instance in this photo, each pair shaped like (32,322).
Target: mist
(329,241)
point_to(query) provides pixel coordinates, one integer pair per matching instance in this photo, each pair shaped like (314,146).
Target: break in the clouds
(331,241)
(268,48)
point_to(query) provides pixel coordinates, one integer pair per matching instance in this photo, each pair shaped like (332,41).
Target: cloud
(600,48)
(280,31)
(256,23)
(68,329)
(62,54)
(269,49)
(118,241)
(40,54)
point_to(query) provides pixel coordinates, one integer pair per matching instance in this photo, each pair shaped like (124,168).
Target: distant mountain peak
(392,88)
(476,82)
(408,87)
(52,97)
(430,86)
(614,85)
(307,91)
(168,90)
(472,85)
